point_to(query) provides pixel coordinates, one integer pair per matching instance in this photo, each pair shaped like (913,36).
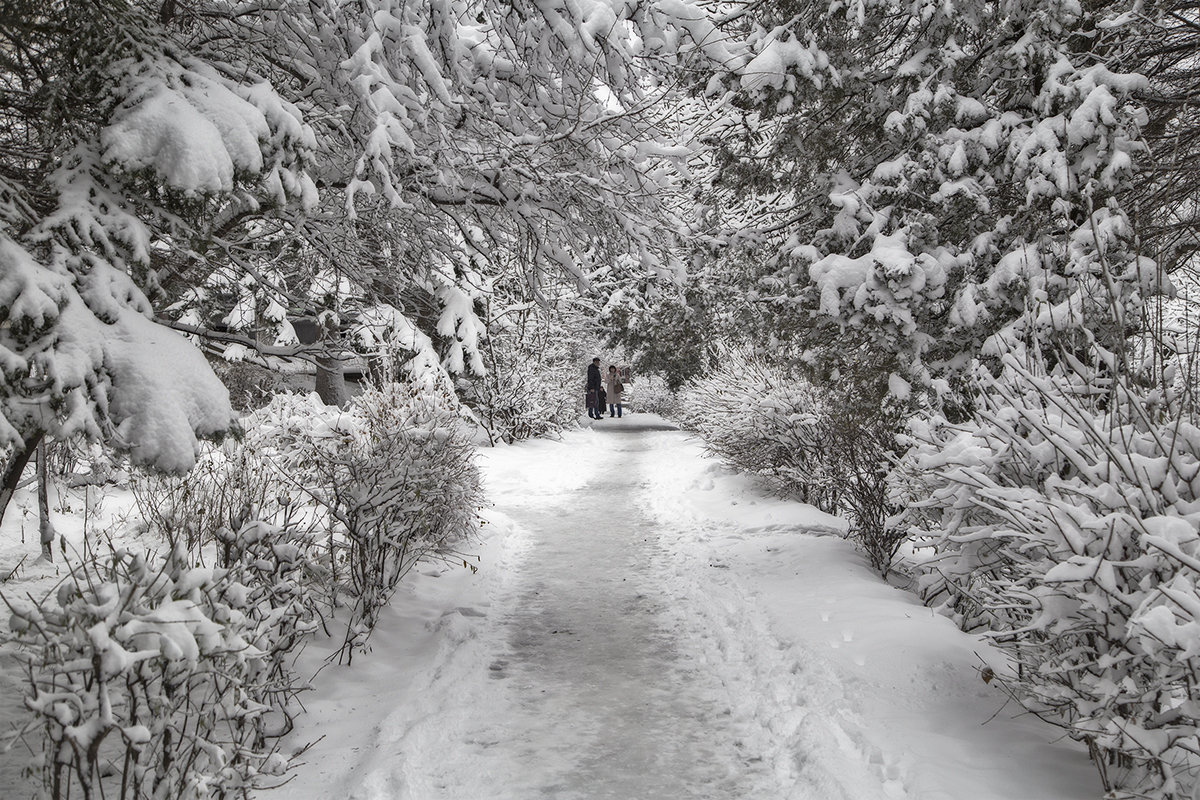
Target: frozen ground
(644,625)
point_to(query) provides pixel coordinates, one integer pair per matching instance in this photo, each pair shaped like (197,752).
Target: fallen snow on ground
(644,624)
(870,693)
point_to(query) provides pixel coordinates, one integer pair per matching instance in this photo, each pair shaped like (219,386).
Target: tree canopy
(224,167)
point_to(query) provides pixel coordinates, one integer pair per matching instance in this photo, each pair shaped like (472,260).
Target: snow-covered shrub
(275,568)
(1064,518)
(862,443)
(394,476)
(94,464)
(762,420)
(229,485)
(153,678)
(532,388)
(387,482)
(650,394)
(831,447)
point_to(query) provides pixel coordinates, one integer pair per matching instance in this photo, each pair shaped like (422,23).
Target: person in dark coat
(594,387)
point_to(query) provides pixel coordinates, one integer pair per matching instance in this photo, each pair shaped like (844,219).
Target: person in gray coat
(613,388)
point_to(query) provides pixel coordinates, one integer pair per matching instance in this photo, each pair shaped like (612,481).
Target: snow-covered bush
(1064,518)
(275,567)
(762,420)
(531,389)
(862,446)
(831,447)
(393,476)
(386,482)
(650,394)
(228,486)
(150,677)
(171,677)
(92,464)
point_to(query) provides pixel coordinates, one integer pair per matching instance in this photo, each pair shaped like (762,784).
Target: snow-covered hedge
(229,484)
(170,676)
(1064,519)
(151,677)
(383,484)
(531,390)
(827,446)
(393,477)
(650,394)
(766,422)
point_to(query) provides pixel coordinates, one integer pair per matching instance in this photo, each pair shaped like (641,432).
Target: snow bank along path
(644,625)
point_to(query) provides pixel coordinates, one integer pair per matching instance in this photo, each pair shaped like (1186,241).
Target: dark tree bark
(331,382)
(14,468)
(45,527)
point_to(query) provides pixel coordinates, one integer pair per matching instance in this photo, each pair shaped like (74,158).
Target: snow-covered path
(592,690)
(645,626)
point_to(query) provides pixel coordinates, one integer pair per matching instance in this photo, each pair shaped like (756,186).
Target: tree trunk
(45,527)
(331,383)
(14,468)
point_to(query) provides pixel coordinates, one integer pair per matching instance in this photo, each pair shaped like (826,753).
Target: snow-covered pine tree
(926,170)
(965,187)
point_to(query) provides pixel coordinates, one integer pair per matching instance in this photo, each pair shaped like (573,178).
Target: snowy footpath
(643,625)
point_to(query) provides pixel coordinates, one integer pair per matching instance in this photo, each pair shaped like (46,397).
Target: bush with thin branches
(1062,519)
(829,446)
(393,479)
(151,677)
